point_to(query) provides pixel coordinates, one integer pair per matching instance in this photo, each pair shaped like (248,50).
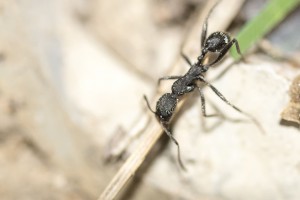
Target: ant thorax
(196,70)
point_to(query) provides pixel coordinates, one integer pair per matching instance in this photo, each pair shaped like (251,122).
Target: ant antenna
(205,26)
(177,144)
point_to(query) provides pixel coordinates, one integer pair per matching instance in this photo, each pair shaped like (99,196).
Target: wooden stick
(131,165)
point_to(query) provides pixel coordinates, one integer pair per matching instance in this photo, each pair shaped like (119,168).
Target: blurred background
(72,78)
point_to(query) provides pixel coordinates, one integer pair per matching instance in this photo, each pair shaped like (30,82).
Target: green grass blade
(274,12)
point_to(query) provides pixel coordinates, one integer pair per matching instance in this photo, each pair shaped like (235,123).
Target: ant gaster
(217,42)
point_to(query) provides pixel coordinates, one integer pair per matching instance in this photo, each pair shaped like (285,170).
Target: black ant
(217,42)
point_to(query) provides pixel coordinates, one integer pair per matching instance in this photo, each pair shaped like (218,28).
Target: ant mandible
(217,42)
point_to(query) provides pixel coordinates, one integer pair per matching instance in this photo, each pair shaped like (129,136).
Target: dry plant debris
(292,111)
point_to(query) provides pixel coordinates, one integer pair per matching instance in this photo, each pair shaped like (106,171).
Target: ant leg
(233,106)
(226,49)
(148,104)
(167,78)
(220,95)
(186,59)
(202,98)
(175,77)
(166,129)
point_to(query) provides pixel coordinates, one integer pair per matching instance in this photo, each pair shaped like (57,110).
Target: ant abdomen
(216,41)
(165,107)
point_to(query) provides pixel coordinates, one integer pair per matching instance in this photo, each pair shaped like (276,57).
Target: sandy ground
(72,78)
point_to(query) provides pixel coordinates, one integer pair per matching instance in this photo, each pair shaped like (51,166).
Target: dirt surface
(72,79)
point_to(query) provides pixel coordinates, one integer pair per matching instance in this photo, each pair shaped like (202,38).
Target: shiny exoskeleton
(217,42)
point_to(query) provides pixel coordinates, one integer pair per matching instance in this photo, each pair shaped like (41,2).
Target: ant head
(216,42)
